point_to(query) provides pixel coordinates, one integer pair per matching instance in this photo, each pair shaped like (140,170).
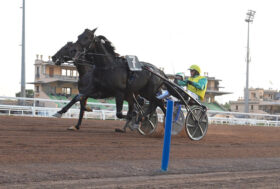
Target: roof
(65,64)
(52,81)
(217,92)
(213,106)
(269,103)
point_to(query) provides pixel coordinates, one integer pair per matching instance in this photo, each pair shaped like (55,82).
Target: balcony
(60,77)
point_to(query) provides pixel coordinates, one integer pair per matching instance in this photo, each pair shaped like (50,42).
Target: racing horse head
(85,39)
(63,54)
(70,50)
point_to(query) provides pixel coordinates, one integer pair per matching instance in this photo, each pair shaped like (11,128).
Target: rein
(85,62)
(97,54)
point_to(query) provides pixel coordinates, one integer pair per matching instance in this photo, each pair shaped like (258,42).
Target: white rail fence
(17,106)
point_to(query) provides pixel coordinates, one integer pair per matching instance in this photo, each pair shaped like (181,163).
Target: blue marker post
(167,136)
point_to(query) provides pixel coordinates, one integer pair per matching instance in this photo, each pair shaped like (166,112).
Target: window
(74,73)
(63,72)
(44,69)
(51,69)
(236,107)
(68,73)
(66,90)
(37,71)
(37,89)
(252,107)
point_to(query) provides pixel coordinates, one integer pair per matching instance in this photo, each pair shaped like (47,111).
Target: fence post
(103,115)
(167,136)
(33,109)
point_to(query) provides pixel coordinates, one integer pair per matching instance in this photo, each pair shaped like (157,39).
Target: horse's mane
(108,45)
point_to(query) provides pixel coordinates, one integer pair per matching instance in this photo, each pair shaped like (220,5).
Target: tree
(29,93)
(226,106)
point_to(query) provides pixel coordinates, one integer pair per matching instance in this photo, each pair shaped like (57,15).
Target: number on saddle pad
(133,63)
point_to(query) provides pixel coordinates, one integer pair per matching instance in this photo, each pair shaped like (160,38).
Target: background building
(260,101)
(54,82)
(213,89)
(51,80)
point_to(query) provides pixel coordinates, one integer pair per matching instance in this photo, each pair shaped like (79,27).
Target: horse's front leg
(68,106)
(83,102)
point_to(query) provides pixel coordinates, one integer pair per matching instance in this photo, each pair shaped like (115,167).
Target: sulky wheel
(148,125)
(196,123)
(177,120)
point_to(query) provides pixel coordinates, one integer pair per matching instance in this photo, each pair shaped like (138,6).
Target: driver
(196,84)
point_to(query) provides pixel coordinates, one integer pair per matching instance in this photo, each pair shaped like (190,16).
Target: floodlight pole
(22,94)
(250,17)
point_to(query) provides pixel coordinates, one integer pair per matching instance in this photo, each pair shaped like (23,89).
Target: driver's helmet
(181,75)
(196,68)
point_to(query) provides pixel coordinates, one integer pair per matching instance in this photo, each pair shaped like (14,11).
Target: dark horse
(86,83)
(113,71)
(110,76)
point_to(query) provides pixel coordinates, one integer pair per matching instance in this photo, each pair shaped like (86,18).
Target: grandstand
(213,106)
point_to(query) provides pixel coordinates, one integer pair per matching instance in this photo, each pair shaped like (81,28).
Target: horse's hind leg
(151,108)
(119,104)
(128,117)
(162,106)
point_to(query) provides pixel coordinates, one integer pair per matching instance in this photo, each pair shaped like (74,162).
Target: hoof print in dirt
(119,131)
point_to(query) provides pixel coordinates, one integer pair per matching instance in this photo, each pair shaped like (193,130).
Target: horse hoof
(88,109)
(134,126)
(58,115)
(119,131)
(72,128)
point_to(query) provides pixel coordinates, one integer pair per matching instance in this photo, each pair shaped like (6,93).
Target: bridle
(78,60)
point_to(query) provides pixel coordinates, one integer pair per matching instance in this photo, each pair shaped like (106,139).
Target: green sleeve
(200,84)
(182,83)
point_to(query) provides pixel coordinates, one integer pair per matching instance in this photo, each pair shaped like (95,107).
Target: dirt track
(41,153)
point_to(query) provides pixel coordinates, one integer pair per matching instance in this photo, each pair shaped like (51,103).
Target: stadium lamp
(250,16)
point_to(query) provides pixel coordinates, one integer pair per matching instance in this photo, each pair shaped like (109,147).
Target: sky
(173,34)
